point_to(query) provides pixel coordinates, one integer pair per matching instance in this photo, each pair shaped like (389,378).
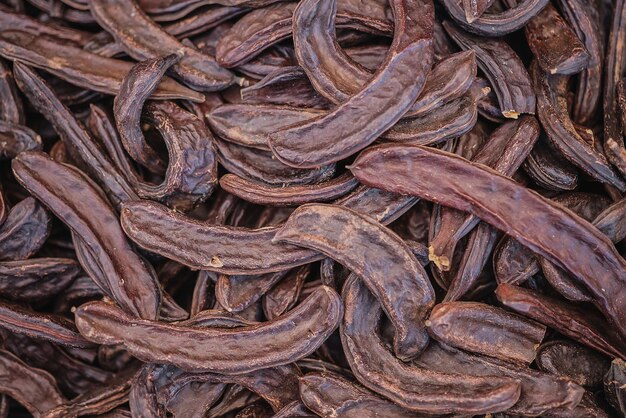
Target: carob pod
(300,332)
(414,388)
(403,288)
(74,199)
(528,222)
(358,121)
(142,39)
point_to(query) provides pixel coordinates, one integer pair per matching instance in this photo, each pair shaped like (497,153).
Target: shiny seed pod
(250,125)
(11,107)
(143,39)
(415,388)
(527,222)
(337,135)
(541,393)
(403,290)
(26,228)
(76,201)
(236,293)
(36,279)
(300,332)
(486,330)
(80,67)
(582,325)
(578,363)
(32,388)
(267,26)
(329,395)
(556,47)
(504,69)
(45,326)
(553,114)
(261,194)
(549,170)
(496,24)
(17,138)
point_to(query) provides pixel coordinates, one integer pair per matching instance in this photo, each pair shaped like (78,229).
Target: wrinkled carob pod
(188,186)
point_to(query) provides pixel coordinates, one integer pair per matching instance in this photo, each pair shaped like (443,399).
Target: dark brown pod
(415,388)
(75,200)
(504,69)
(339,133)
(80,67)
(37,278)
(486,330)
(582,325)
(300,332)
(379,257)
(287,196)
(533,223)
(24,231)
(142,39)
(576,362)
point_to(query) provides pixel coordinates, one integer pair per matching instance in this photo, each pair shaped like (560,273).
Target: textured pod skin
(142,39)
(517,211)
(486,330)
(541,393)
(503,68)
(329,395)
(249,125)
(583,326)
(358,121)
(79,66)
(415,388)
(37,278)
(555,45)
(496,24)
(554,117)
(331,71)
(273,343)
(33,388)
(574,361)
(379,257)
(16,138)
(70,196)
(287,196)
(549,170)
(264,27)
(24,231)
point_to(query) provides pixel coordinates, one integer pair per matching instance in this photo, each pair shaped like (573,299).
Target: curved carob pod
(584,19)
(613,70)
(330,70)
(36,279)
(407,170)
(25,230)
(337,135)
(503,68)
(267,26)
(70,195)
(250,125)
(496,24)
(330,395)
(142,39)
(582,325)
(261,194)
(50,327)
(505,150)
(80,67)
(300,332)
(540,393)
(549,169)
(418,389)
(34,389)
(372,250)
(578,363)
(486,330)
(553,114)
(237,292)
(137,86)
(73,134)
(556,47)
(285,294)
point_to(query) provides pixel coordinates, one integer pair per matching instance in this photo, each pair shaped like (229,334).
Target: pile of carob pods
(334,208)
